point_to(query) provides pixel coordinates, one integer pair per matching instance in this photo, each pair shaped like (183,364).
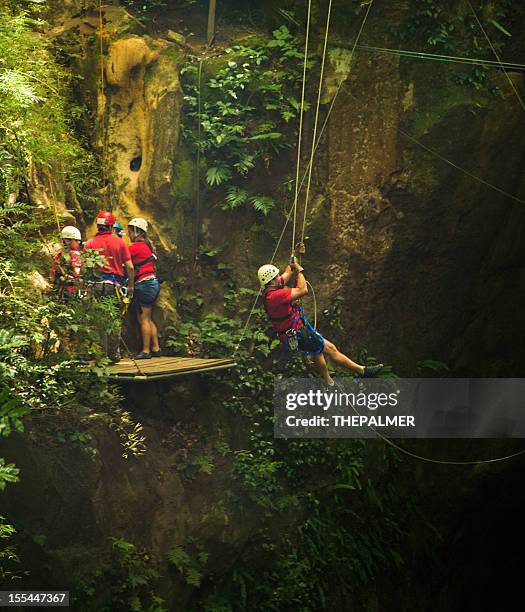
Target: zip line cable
(460,168)
(439,57)
(496,54)
(319,91)
(414,455)
(299,138)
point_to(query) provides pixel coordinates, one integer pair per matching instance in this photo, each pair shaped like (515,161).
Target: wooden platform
(166,367)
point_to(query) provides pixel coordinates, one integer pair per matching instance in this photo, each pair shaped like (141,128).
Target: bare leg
(320,362)
(340,359)
(145,327)
(154,335)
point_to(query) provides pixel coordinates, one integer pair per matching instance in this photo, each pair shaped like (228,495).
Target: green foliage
(131,435)
(12,410)
(146,7)
(35,118)
(191,567)
(333,313)
(8,473)
(9,560)
(127,582)
(345,527)
(452,28)
(241,117)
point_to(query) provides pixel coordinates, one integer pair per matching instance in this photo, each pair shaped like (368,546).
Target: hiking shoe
(142,355)
(156,353)
(371,371)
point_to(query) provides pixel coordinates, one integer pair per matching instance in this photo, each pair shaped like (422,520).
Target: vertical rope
(497,55)
(319,91)
(102,97)
(325,123)
(196,234)
(305,64)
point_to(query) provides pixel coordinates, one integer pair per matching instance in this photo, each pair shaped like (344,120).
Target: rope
(409,453)
(297,186)
(102,95)
(496,54)
(319,91)
(198,162)
(299,137)
(460,168)
(323,127)
(449,162)
(139,370)
(437,57)
(315,304)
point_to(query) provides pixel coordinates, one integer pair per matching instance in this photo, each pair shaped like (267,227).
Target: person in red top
(293,328)
(67,264)
(147,286)
(111,276)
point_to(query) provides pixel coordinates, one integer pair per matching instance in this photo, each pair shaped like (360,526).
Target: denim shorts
(147,292)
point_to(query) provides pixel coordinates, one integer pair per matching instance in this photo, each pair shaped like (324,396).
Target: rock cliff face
(425,256)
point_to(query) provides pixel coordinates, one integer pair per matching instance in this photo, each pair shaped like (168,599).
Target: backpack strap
(138,266)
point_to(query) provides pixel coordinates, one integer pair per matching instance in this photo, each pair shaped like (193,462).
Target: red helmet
(105,217)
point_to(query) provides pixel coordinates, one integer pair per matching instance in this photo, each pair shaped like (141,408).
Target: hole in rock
(135,164)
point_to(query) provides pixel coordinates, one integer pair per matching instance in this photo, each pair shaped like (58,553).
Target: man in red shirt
(111,277)
(294,329)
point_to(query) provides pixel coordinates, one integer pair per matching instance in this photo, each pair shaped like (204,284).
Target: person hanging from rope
(147,286)
(292,326)
(111,279)
(67,264)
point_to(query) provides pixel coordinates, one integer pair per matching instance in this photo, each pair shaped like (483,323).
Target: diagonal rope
(439,57)
(299,138)
(450,162)
(413,455)
(496,54)
(460,168)
(325,123)
(319,91)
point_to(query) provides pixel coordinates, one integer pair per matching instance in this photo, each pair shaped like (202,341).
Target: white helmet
(140,223)
(266,273)
(71,232)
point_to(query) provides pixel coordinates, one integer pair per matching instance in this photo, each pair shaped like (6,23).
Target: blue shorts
(147,292)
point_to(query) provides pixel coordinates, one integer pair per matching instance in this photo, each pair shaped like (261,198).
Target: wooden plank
(165,366)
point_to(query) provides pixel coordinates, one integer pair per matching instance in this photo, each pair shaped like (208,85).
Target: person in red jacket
(147,286)
(293,328)
(111,278)
(67,264)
